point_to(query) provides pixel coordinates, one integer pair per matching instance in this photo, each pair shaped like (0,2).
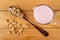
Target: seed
(25,25)
(16,32)
(21,30)
(21,15)
(12,29)
(13,32)
(9,32)
(19,24)
(10,25)
(14,22)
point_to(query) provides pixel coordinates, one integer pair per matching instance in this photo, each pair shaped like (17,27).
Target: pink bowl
(43,14)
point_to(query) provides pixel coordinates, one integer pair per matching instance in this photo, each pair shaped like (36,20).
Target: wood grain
(29,14)
(29,4)
(31,34)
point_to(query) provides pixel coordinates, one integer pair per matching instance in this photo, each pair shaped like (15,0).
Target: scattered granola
(16,25)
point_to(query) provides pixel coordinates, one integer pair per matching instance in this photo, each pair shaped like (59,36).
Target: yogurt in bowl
(43,14)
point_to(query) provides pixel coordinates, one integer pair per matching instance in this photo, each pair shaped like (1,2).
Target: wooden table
(27,7)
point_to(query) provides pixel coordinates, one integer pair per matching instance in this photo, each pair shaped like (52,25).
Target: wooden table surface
(27,7)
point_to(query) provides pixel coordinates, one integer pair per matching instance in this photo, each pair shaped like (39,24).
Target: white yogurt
(43,14)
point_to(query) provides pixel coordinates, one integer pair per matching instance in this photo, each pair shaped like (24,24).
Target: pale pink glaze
(43,14)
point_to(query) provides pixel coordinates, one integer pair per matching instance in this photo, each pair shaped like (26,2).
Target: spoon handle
(45,33)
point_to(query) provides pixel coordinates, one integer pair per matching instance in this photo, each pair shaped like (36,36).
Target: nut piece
(25,25)
(15,11)
(19,24)
(21,30)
